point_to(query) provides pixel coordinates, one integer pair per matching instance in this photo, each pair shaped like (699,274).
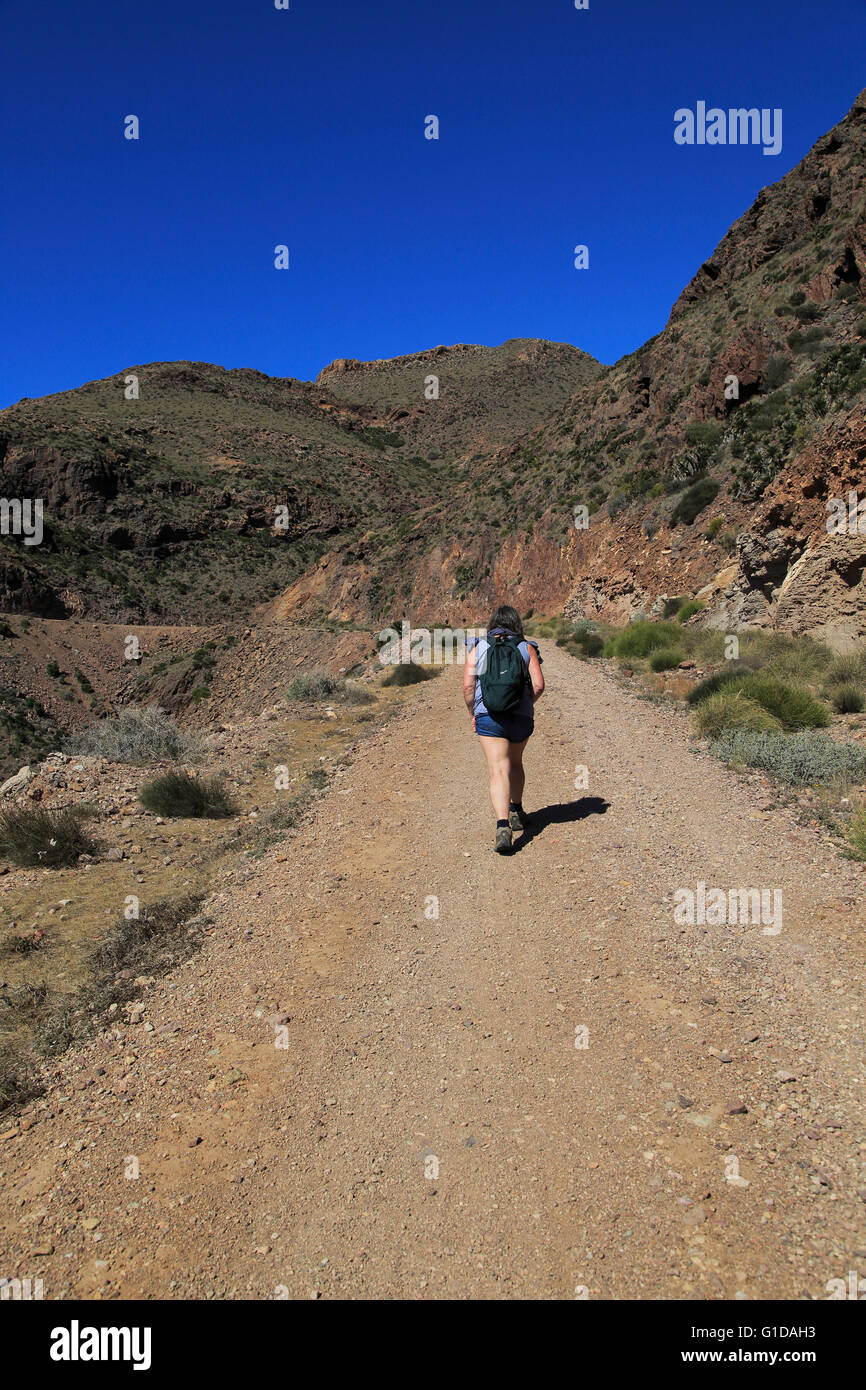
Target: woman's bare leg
(498,764)
(516,771)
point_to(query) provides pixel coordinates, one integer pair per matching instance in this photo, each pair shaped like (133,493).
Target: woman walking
(501,682)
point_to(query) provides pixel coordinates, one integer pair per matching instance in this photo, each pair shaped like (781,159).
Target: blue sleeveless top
(480,646)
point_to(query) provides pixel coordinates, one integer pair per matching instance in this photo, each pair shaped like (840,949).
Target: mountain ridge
(429,484)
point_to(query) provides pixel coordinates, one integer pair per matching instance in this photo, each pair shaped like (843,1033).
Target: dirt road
(496,1078)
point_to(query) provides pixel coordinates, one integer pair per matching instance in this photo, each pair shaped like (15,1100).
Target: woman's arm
(469,684)
(535,675)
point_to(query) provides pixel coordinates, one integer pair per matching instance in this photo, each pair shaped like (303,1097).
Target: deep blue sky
(306,127)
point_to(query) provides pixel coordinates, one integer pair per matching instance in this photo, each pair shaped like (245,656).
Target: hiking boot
(502,844)
(518,821)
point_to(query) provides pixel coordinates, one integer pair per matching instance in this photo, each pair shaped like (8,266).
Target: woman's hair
(507,617)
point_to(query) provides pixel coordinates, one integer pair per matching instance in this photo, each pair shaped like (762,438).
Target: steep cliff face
(682,453)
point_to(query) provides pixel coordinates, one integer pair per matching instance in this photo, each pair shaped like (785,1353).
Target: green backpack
(503,674)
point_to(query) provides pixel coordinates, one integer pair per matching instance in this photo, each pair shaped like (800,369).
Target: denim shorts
(514,727)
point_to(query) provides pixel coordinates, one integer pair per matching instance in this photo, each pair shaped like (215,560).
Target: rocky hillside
(704,459)
(455,401)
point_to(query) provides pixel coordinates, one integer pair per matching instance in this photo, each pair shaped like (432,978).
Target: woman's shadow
(562,814)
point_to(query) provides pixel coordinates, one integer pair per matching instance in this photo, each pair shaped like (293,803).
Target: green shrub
(666,659)
(590,643)
(778,371)
(34,837)
(793,706)
(714,527)
(693,501)
(408,674)
(729,709)
(848,699)
(641,638)
(52,669)
(672,607)
(581,643)
(181,795)
(711,684)
(689,609)
(803,759)
(135,736)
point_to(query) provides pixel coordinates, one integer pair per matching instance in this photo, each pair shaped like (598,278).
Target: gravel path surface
(550,1089)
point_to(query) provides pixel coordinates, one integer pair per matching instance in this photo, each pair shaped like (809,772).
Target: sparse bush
(136,736)
(52,669)
(15,945)
(672,607)
(34,837)
(845,670)
(803,759)
(689,609)
(666,659)
(729,709)
(856,834)
(354,694)
(848,699)
(313,685)
(728,541)
(181,795)
(714,527)
(165,934)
